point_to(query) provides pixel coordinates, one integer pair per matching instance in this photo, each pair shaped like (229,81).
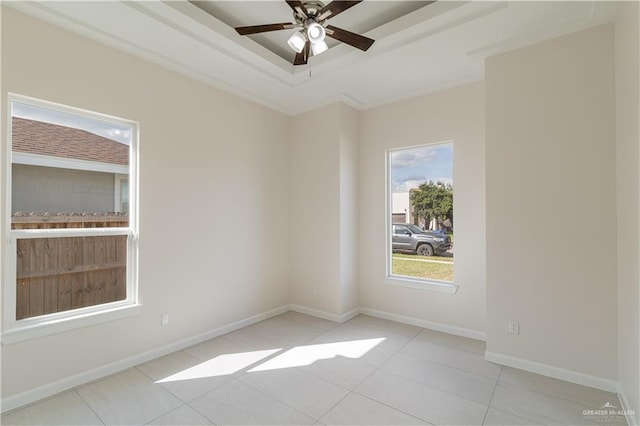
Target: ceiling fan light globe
(316,32)
(319,47)
(297,42)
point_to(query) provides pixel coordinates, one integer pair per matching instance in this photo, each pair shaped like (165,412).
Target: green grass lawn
(404,265)
(414,256)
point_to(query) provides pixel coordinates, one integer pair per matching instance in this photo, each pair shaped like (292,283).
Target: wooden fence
(63,273)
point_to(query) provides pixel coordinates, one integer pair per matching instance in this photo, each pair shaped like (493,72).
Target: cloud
(413,157)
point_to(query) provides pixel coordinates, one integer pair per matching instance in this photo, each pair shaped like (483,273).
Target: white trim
(632,420)
(555,372)
(445,328)
(325,315)
(46,325)
(117,191)
(33,395)
(430,285)
(22,234)
(67,163)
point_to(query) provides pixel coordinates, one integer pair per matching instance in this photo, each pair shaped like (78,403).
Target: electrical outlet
(164,319)
(514,327)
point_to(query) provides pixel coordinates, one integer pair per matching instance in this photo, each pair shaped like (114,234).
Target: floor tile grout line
(167,413)
(334,406)
(448,346)
(375,370)
(434,388)
(279,400)
(484,418)
(556,398)
(392,407)
(353,390)
(458,368)
(379,368)
(564,398)
(89,405)
(532,422)
(548,395)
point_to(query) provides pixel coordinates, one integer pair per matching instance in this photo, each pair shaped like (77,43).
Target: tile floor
(296,369)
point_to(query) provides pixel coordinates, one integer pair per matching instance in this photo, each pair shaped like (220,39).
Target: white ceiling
(419,48)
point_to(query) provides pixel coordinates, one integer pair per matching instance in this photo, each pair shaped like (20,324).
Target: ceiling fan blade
(302,57)
(255,29)
(334,8)
(298,7)
(353,39)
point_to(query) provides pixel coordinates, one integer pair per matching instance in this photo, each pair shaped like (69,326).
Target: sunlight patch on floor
(221,365)
(301,356)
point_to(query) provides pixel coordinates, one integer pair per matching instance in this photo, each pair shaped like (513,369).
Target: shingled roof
(36,137)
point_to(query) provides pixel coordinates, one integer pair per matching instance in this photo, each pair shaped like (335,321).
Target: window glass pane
(422,198)
(64,164)
(60,274)
(124,196)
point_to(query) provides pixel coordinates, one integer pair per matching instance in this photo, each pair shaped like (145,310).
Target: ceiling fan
(311,23)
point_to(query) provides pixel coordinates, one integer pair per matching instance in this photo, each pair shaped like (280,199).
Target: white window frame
(29,328)
(117,196)
(401,280)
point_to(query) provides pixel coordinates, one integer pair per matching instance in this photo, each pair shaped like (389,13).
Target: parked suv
(408,237)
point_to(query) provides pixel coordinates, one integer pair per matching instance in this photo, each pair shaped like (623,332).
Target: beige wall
(314,240)
(349,208)
(455,114)
(627,47)
(324,210)
(200,150)
(551,203)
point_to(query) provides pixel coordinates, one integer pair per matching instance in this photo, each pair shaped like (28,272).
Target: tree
(433,201)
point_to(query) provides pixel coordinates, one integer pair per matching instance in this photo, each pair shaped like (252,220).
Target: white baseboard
(555,372)
(323,314)
(33,395)
(449,329)
(633,417)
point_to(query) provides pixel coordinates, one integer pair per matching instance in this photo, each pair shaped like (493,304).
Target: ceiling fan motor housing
(312,8)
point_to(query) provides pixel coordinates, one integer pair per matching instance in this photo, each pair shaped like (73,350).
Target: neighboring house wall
(400,206)
(49,189)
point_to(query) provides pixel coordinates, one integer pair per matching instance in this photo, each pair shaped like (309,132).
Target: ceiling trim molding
(97,35)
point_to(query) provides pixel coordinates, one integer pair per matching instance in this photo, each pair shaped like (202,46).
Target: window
(420,214)
(72,224)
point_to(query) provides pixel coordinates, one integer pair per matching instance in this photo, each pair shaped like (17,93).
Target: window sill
(429,285)
(52,324)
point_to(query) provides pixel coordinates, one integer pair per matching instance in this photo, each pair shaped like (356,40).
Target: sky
(414,166)
(108,129)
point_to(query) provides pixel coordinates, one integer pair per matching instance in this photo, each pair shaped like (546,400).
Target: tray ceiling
(419,48)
